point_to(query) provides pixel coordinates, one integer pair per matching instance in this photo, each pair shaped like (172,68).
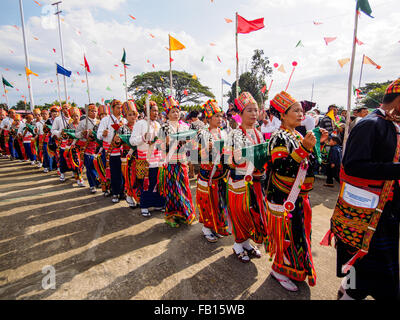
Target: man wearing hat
(60,123)
(84,133)
(371,164)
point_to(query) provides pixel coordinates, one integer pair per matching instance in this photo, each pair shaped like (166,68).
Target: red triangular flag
(245,26)
(329,39)
(185,92)
(54,50)
(153,66)
(360,43)
(219,59)
(170,59)
(86,64)
(264,88)
(149,92)
(78,73)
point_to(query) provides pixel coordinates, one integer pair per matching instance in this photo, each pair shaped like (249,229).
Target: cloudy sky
(102,28)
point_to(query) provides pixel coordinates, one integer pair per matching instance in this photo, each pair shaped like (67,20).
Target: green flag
(202,59)
(364,6)
(299,44)
(6,83)
(108,88)
(123,60)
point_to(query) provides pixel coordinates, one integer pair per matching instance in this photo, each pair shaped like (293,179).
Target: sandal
(242,256)
(284,281)
(211,238)
(253,253)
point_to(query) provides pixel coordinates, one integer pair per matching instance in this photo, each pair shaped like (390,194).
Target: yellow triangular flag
(28,72)
(228,72)
(282,69)
(342,62)
(161,79)
(194,76)
(331,115)
(175,44)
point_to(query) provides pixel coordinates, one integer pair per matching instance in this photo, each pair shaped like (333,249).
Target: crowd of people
(255,169)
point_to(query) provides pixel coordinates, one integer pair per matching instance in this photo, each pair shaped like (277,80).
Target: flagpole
(58,86)
(126,84)
(361,72)
(312,91)
(87,84)
(61,46)
(349,88)
(170,64)
(237,58)
(5,92)
(26,56)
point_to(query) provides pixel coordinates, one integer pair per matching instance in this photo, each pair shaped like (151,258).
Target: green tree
(254,80)
(187,89)
(22,106)
(374,93)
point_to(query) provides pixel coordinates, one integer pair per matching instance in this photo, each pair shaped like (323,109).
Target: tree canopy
(187,89)
(254,80)
(374,93)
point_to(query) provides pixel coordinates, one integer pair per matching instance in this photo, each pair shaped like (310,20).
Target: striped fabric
(64,143)
(114,152)
(155,156)
(91,148)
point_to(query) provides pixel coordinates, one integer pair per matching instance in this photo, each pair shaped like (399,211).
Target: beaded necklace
(250,138)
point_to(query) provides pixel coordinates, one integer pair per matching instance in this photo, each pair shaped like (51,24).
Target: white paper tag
(359,197)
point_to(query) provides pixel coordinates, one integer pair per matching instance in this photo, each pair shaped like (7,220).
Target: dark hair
(332,106)
(192,114)
(390,97)
(335,138)
(274,112)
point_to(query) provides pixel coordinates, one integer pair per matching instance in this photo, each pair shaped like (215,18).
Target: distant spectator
(334,161)
(326,122)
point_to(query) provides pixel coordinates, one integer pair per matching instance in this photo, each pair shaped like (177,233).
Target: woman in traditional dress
(72,150)
(173,176)
(128,155)
(211,181)
(246,205)
(289,210)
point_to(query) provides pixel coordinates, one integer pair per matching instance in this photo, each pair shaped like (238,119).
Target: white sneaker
(93,190)
(62,177)
(32,163)
(80,183)
(162,209)
(46,170)
(284,281)
(145,212)
(39,165)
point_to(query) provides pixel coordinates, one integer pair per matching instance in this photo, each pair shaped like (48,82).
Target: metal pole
(170,65)
(349,89)
(26,56)
(87,83)
(126,84)
(61,46)
(5,93)
(362,65)
(58,86)
(312,91)
(237,59)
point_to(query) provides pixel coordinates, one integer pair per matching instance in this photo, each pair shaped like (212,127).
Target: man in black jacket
(327,123)
(369,156)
